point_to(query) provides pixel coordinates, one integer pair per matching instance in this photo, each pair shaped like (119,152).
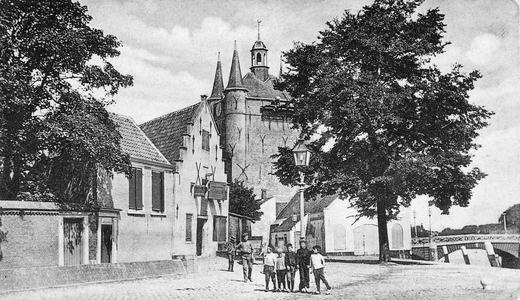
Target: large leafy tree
(242,201)
(512,217)
(386,124)
(55,82)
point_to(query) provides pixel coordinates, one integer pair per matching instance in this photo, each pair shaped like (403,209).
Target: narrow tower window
(258,58)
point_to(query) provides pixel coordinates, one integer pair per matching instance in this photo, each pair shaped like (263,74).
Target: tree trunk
(384,253)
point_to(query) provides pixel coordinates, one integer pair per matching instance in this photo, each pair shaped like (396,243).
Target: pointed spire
(235,75)
(217,92)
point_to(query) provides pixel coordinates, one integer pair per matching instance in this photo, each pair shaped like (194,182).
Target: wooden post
(465,254)
(491,254)
(446,256)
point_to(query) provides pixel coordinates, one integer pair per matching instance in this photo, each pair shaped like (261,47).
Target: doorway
(200,235)
(106,243)
(73,241)
(366,240)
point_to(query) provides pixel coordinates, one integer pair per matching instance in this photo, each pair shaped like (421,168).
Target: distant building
(254,119)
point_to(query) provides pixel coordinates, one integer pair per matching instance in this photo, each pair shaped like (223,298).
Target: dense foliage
(512,215)
(242,201)
(384,123)
(55,82)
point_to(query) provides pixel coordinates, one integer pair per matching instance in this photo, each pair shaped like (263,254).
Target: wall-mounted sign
(199,190)
(217,190)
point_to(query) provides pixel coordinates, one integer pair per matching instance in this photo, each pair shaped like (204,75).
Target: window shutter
(222,236)
(158,191)
(162,191)
(215,228)
(188,227)
(155,191)
(131,190)
(139,189)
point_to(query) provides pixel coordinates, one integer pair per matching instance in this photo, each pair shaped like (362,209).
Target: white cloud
(483,49)
(156,90)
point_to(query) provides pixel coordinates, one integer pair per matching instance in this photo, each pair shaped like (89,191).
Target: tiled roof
(310,206)
(294,207)
(322,203)
(262,89)
(135,142)
(287,225)
(166,131)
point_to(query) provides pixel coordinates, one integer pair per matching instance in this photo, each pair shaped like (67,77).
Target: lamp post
(505,225)
(414,225)
(430,221)
(302,156)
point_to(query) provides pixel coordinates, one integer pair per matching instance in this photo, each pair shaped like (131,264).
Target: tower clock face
(218,109)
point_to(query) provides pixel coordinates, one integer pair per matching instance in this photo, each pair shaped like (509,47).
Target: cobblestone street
(348,280)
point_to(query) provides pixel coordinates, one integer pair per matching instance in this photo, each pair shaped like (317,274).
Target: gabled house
(261,228)
(332,223)
(190,141)
(142,230)
(286,228)
(133,221)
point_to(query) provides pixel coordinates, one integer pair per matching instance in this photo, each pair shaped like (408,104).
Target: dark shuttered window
(219,228)
(189,221)
(158,191)
(136,189)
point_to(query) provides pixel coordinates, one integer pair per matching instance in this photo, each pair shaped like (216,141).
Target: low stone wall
(31,278)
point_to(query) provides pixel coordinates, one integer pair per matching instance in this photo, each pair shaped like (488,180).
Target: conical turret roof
(235,75)
(218,84)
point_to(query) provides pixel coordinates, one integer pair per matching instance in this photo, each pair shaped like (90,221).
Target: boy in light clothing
(269,272)
(318,266)
(281,270)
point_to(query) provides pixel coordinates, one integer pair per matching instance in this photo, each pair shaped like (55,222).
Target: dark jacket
(290,259)
(303,257)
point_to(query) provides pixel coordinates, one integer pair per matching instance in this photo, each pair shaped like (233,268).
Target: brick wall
(32,239)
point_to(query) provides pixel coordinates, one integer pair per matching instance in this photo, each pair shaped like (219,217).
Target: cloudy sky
(171,48)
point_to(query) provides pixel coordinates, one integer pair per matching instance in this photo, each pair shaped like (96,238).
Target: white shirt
(317,261)
(270,259)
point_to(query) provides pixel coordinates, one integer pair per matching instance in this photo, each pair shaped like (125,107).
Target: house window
(157,191)
(136,189)
(189,219)
(219,228)
(205,140)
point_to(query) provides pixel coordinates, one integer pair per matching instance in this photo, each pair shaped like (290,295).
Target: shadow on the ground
(357,261)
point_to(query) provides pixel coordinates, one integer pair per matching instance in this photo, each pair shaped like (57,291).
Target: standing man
(230,249)
(246,252)
(290,263)
(303,256)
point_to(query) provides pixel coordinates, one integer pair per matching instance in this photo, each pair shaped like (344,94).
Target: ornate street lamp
(414,226)
(302,156)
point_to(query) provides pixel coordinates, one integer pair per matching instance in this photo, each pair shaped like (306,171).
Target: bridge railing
(451,239)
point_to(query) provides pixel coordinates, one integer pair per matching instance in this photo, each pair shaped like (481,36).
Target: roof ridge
(170,114)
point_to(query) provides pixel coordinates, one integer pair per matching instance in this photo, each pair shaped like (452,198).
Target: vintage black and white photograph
(268,149)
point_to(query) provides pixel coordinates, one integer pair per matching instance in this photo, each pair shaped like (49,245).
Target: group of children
(283,265)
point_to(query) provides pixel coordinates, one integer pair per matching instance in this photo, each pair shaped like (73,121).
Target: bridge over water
(507,246)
